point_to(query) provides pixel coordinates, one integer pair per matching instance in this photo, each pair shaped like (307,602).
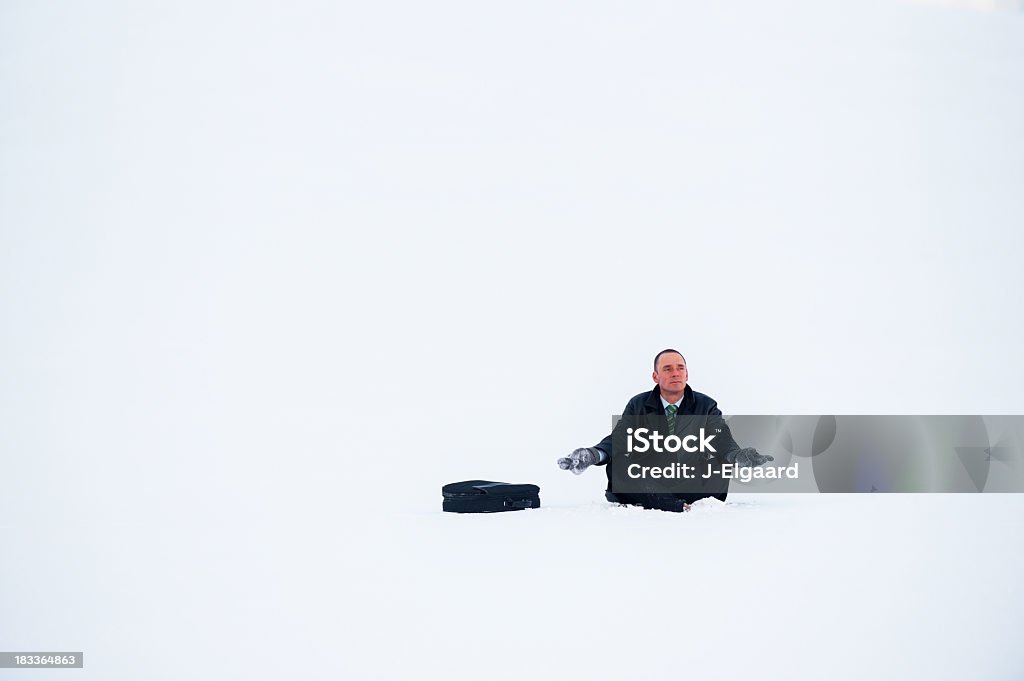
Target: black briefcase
(484,496)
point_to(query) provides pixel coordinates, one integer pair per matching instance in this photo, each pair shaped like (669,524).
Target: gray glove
(580,460)
(747,457)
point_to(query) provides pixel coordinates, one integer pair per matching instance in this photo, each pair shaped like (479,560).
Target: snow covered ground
(764,586)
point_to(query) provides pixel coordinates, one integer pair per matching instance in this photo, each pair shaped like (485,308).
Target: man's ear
(654,376)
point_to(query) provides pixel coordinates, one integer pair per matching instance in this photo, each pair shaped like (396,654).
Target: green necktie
(670,413)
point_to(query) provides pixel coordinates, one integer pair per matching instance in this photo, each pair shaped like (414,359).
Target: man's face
(671,373)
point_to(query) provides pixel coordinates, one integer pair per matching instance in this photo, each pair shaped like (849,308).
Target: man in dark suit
(666,408)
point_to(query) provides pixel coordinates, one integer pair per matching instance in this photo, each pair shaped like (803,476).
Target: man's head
(670,374)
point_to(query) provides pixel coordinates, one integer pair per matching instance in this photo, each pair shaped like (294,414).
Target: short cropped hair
(658,356)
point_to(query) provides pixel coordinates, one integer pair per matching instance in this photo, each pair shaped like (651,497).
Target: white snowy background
(271,274)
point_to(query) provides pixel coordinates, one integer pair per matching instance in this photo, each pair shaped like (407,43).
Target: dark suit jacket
(646,409)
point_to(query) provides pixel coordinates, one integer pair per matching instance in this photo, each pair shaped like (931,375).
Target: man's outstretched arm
(748,457)
(581,459)
(601,453)
(744,457)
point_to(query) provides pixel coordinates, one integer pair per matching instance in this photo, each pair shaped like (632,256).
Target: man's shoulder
(639,400)
(703,404)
